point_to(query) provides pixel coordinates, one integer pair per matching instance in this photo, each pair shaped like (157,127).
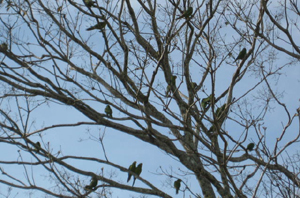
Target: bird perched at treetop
(241,55)
(132,168)
(250,146)
(4,46)
(177,185)
(108,111)
(137,171)
(98,26)
(92,185)
(186,14)
(89,3)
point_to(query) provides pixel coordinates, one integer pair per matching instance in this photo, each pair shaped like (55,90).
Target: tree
(215,108)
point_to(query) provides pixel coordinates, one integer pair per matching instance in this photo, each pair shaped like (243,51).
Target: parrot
(98,26)
(177,185)
(88,188)
(137,171)
(220,110)
(250,146)
(4,46)
(132,168)
(212,129)
(92,185)
(37,147)
(108,111)
(173,82)
(89,3)
(194,85)
(206,101)
(168,91)
(186,14)
(241,55)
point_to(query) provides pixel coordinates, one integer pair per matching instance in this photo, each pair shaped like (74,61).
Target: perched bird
(186,14)
(212,129)
(88,188)
(206,101)
(168,91)
(173,82)
(108,111)
(194,85)
(94,182)
(177,185)
(250,146)
(137,171)
(92,185)
(89,3)
(132,168)
(241,55)
(98,26)
(4,46)
(220,110)
(37,147)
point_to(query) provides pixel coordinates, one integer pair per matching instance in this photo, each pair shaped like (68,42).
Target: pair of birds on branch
(134,169)
(138,169)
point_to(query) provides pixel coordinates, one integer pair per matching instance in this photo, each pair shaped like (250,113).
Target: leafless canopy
(171,83)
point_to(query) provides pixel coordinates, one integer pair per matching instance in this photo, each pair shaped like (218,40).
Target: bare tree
(196,79)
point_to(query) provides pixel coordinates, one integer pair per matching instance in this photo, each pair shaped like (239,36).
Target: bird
(98,26)
(89,3)
(137,171)
(250,146)
(220,110)
(177,185)
(168,91)
(4,46)
(92,185)
(173,80)
(194,85)
(186,14)
(173,83)
(37,147)
(94,182)
(241,55)
(206,101)
(132,168)
(108,111)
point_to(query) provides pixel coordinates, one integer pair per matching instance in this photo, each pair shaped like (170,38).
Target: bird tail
(128,179)
(133,181)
